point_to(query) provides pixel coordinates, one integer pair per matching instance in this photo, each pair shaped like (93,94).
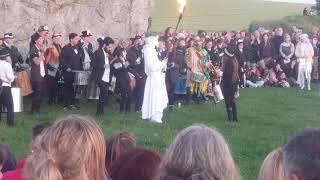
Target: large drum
(197,77)
(93,91)
(81,78)
(17,100)
(218,93)
(23,82)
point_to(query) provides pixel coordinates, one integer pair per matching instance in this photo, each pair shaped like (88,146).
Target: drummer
(70,61)
(8,43)
(6,77)
(196,59)
(52,61)
(36,56)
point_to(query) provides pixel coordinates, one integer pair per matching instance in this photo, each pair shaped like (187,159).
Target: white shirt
(6,73)
(106,74)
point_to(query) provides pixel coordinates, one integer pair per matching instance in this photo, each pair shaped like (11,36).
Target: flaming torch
(182,7)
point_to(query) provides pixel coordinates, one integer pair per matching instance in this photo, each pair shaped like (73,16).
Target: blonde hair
(198,152)
(73,147)
(272,167)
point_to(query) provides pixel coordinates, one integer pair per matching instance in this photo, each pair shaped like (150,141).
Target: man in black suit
(85,50)
(70,61)
(136,67)
(101,72)
(15,55)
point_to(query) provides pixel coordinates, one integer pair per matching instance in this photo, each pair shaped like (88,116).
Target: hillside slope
(220,14)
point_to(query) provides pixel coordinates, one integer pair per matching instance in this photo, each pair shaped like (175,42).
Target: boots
(230,116)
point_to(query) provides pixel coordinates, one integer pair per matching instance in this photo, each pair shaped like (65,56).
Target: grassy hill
(266,117)
(220,14)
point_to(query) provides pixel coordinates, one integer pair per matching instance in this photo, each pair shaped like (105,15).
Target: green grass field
(267,116)
(214,15)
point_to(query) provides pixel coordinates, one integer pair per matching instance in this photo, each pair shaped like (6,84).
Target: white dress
(155,97)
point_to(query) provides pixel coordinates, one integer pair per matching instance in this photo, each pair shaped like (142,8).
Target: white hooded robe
(155,97)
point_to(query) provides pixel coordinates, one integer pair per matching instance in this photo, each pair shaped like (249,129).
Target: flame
(182,4)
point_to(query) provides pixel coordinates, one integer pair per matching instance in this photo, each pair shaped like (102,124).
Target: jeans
(254,85)
(36,96)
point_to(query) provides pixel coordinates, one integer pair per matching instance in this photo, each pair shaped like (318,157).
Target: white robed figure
(155,97)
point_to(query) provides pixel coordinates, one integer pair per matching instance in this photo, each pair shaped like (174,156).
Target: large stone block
(115,18)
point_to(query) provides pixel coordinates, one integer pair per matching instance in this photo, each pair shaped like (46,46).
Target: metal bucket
(17,100)
(93,91)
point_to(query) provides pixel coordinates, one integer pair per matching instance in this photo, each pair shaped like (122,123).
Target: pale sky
(296,1)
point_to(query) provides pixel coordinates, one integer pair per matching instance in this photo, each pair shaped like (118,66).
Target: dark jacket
(15,55)
(178,59)
(136,68)
(230,85)
(266,49)
(98,63)
(35,69)
(82,54)
(69,58)
(240,56)
(119,70)
(276,42)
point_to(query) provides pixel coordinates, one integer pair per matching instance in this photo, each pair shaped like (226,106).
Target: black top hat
(3,53)
(86,33)
(8,36)
(43,28)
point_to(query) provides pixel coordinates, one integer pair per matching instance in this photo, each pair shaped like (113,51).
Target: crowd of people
(75,148)
(194,67)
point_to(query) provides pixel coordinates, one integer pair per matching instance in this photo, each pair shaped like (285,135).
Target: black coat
(119,70)
(35,69)
(240,57)
(136,68)
(14,55)
(98,63)
(69,58)
(178,58)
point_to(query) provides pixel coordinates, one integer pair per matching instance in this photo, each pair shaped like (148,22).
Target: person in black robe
(36,56)
(136,67)
(119,68)
(101,72)
(16,57)
(230,82)
(69,62)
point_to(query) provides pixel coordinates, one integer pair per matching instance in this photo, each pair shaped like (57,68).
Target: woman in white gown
(155,98)
(304,53)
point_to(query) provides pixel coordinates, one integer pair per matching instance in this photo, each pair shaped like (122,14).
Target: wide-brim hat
(43,28)
(86,33)
(8,36)
(137,37)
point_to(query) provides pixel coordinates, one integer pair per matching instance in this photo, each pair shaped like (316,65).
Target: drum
(133,82)
(197,77)
(17,100)
(93,91)
(81,78)
(23,82)
(218,93)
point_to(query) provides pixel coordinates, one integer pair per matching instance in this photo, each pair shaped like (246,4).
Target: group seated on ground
(74,148)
